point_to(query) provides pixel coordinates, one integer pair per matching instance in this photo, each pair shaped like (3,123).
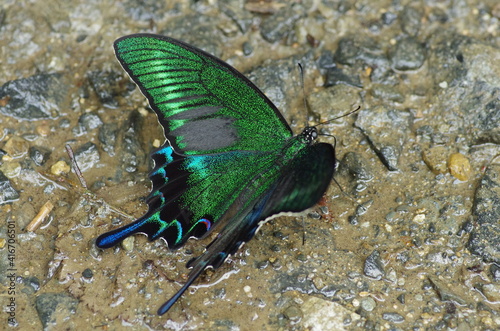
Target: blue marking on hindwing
(204,221)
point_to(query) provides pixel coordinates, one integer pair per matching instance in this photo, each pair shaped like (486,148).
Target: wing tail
(111,238)
(231,238)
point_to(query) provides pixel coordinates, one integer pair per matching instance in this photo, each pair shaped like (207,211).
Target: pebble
(373,267)
(128,244)
(435,159)
(368,304)
(16,147)
(59,168)
(11,169)
(393,317)
(459,166)
(293,313)
(491,292)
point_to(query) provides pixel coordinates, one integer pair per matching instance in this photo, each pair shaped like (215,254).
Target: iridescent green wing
(204,105)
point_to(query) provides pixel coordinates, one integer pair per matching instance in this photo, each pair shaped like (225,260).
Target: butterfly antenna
(301,70)
(343,115)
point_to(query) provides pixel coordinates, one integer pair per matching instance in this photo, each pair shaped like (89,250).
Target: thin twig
(75,166)
(40,217)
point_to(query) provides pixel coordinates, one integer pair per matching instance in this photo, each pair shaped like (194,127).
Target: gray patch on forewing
(195,113)
(207,134)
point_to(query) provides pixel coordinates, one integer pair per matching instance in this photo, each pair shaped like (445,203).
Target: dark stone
(335,76)
(484,240)
(33,283)
(107,85)
(87,273)
(7,192)
(373,267)
(197,30)
(242,18)
(145,10)
(357,166)
(87,156)
(353,49)
(90,121)
(393,317)
(402,298)
(408,54)
(411,20)
(437,14)
(278,26)
(387,131)
(387,93)
(64,123)
(39,155)
(132,151)
(446,292)
(442,58)
(37,97)
(298,281)
(273,78)
(325,61)
(247,48)
(388,18)
(108,136)
(495,272)
(50,304)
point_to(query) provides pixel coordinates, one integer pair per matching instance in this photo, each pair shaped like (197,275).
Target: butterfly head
(309,134)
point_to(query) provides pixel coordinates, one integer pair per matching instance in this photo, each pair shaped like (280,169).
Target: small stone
(39,155)
(459,166)
(128,244)
(87,156)
(411,19)
(87,273)
(357,166)
(16,147)
(7,192)
(495,272)
(59,168)
(293,313)
(374,267)
(37,97)
(435,159)
(491,292)
(393,317)
(90,121)
(55,308)
(408,54)
(11,169)
(368,304)
(446,293)
(387,92)
(43,129)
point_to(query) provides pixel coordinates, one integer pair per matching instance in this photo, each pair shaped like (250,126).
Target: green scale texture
(184,85)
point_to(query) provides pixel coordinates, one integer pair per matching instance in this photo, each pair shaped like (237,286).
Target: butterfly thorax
(309,134)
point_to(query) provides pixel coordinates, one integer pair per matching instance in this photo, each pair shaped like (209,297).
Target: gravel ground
(409,239)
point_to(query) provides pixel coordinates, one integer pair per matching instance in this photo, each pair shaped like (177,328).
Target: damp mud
(408,239)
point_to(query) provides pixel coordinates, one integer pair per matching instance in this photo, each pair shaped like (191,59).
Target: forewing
(204,105)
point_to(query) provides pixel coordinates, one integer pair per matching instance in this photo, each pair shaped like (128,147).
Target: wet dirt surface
(412,243)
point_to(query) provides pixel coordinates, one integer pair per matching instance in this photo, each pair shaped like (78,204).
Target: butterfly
(230,159)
